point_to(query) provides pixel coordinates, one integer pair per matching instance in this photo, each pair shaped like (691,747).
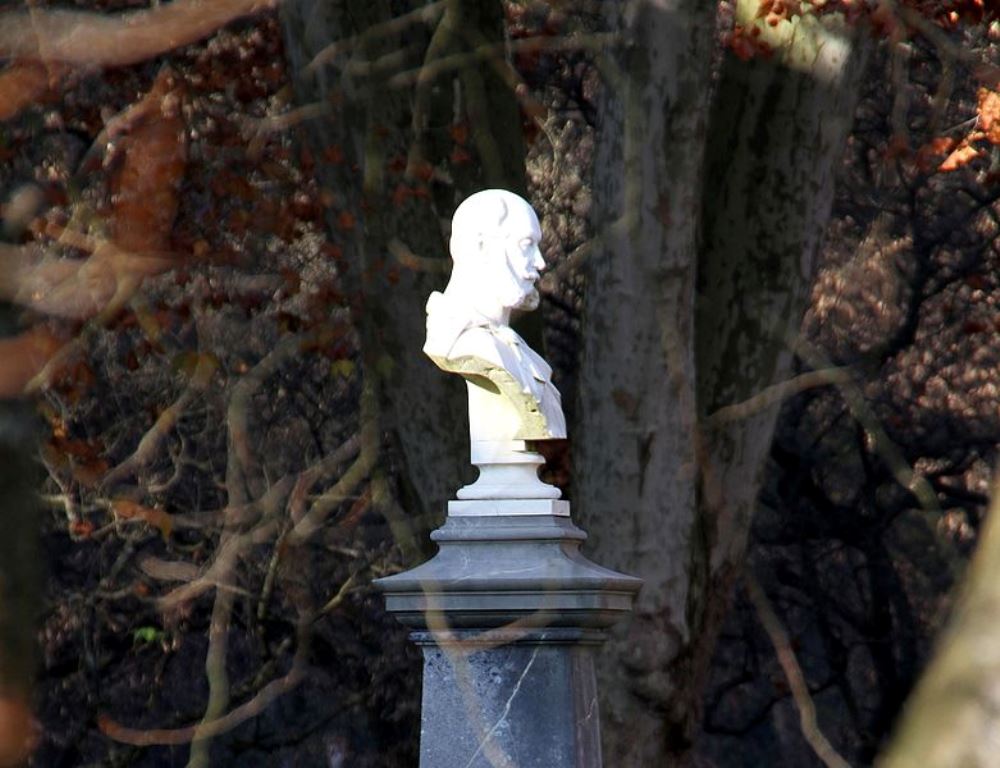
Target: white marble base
(499,507)
(507,470)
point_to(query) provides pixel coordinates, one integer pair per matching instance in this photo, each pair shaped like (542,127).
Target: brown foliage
(145,189)
(988,109)
(24,356)
(23,83)
(18,731)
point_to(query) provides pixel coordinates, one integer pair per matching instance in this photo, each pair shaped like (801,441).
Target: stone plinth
(509,614)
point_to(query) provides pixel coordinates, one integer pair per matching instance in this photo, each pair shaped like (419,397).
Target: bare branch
(306,525)
(232,547)
(238,414)
(209,729)
(888,451)
(91,39)
(168,570)
(218,678)
(256,130)
(946,47)
(793,673)
(150,443)
(427,14)
(776,393)
(408,259)
(951,718)
(437,67)
(24,83)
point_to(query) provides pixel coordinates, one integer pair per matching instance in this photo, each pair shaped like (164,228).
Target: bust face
(495,242)
(513,260)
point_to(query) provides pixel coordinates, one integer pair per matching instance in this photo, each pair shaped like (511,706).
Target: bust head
(494,246)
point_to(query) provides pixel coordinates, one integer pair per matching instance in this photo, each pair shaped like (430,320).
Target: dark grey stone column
(509,614)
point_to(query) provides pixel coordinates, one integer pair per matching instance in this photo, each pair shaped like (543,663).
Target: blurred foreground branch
(953,717)
(114,40)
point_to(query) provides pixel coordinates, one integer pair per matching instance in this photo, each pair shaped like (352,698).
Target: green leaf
(147,635)
(343,368)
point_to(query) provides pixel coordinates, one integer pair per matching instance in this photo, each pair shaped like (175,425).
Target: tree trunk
(393,154)
(953,717)
(635,448)
(664,496)
(778,130)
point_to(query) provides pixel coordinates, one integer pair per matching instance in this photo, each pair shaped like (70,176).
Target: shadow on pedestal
(509,614)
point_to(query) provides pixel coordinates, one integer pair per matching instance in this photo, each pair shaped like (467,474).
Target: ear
(466,248)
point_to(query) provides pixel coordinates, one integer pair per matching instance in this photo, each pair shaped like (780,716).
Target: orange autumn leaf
(18,730)
(24,357)
(80,529)
(933,149)
(746,43)
(78,449)
(420,169)
(988,109)
(400,195)
(23,83)
(83,459)
(460,156)
(333,154)
(127,509)
(346,221)
(162,521)
(459,133)
(963,155)
(89,474)
(145,189)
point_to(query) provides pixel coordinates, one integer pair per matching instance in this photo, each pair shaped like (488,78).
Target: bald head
(494,246)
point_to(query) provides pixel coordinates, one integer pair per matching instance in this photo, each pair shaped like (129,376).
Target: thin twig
(433,69)
(946,47)
(888,451)
(793,673)
(218,678)
(328,501)
(426,15)
(150,443)
(776,393)
(210,729)
(240,456)
(409,260)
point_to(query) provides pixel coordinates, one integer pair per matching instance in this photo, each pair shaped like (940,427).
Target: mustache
(530,301)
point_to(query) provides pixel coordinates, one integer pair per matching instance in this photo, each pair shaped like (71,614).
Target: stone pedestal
(509,614)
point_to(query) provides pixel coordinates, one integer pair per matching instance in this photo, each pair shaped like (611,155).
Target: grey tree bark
(635,448)
(709,214)
(713,214)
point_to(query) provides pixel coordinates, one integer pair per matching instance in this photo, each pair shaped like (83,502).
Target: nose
(537,261)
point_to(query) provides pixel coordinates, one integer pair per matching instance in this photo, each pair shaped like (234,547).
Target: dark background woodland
(218,239)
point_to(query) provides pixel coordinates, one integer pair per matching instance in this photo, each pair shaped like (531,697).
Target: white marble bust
(494,248)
